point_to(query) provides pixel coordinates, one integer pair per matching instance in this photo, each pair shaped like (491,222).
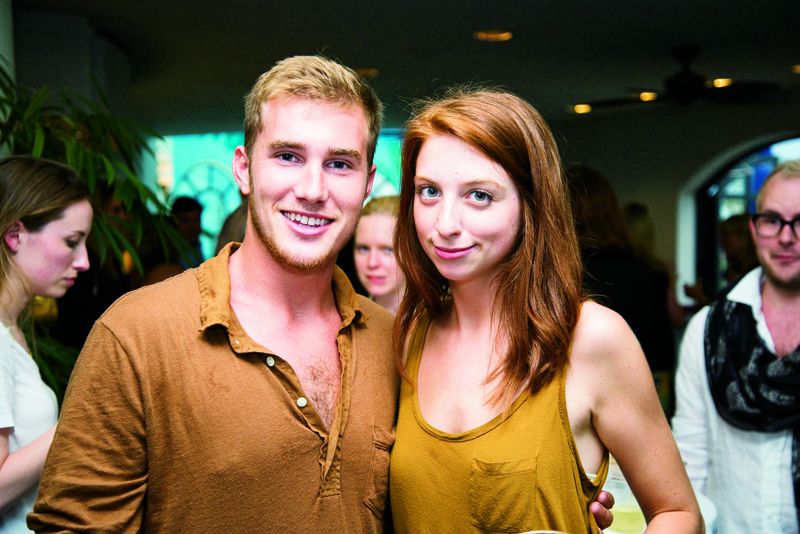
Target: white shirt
(747,474)
(28,406)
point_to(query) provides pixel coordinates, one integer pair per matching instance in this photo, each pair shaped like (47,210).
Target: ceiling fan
(686,86)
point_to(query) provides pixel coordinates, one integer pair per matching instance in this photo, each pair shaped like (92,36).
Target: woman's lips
(452,253)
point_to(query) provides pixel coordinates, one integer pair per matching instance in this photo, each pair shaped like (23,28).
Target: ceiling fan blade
(741,91)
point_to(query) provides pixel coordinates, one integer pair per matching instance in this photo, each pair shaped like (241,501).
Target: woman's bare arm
(610,373)
(20,470)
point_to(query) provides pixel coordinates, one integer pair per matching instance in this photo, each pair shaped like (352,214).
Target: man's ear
(241,170)
(370,180)
(752,226)
(14,235)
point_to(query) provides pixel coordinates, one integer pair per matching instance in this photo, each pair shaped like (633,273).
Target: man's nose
(312,186)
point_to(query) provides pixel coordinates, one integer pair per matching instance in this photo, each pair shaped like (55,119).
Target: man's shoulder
(155,302)
(377,316)
(375,327)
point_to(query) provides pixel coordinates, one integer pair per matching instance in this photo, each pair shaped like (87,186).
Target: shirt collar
(214,282)
(748,291)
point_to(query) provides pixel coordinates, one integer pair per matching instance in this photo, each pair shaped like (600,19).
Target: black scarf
(752,388)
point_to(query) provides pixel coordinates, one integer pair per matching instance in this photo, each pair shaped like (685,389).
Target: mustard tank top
(512,474)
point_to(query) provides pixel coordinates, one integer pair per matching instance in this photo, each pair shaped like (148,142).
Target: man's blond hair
(314,78)
(787,169)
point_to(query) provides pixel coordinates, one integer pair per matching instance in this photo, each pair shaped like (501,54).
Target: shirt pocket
(499,494)
(378,477)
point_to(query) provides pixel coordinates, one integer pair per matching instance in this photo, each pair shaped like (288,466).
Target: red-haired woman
(517,386)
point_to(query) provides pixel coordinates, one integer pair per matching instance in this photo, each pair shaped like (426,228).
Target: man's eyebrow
(279,144)
(346,152)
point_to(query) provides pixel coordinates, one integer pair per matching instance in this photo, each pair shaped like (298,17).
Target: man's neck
(256,276)
(781,309)
(779,298)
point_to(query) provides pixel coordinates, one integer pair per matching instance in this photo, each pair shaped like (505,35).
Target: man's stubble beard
(281,256)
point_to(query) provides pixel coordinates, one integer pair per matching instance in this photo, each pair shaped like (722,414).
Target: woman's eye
(481,196)
(71,243)
(427,191)
(362,249)
(389,251)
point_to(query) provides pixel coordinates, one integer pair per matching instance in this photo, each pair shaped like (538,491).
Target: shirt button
(302,402)
(270,361)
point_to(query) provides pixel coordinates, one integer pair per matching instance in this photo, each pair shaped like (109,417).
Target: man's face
(780,255)
(306,179)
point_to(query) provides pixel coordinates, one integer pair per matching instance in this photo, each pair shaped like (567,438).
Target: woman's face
(374,256)
(466,210)
(52,256)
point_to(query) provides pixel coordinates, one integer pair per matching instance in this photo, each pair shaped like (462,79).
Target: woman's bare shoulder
(601,332)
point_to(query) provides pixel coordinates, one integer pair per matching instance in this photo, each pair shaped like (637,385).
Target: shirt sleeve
(689,425)
(95,476)
(6,380)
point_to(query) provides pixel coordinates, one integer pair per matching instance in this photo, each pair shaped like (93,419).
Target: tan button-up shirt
(175,420)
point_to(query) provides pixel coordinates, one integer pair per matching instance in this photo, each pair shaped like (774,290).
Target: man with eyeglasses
(737,421)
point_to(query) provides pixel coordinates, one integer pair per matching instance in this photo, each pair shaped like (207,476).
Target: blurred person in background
(615,276)
(374,257)
(642,232)
(187,213)
(740,257)
(45,217)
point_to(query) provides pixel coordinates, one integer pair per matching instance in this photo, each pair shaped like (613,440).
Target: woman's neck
(13,299)
(390,301)
(472,307)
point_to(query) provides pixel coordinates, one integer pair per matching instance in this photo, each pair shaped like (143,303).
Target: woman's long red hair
(539,285)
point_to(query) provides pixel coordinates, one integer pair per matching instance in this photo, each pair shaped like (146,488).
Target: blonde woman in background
(45,217)
(373,254)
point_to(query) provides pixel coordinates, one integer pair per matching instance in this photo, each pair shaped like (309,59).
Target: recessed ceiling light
(796,68)
(648,96)
(721,82)
(367,72)
(580,109)
(493,36)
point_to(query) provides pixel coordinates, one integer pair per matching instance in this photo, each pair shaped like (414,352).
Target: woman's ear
(13,236)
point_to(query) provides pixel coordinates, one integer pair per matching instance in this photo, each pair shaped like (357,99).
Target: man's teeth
(306,220)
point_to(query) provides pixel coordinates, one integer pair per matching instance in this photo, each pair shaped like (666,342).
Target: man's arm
(95,477)
(689,425)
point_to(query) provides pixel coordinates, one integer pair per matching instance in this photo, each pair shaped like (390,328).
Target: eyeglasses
(770,225)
